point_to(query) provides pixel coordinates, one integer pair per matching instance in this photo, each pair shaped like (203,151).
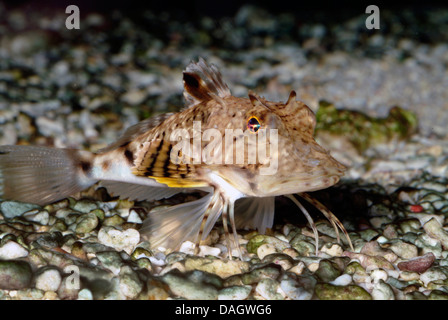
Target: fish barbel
(146,163)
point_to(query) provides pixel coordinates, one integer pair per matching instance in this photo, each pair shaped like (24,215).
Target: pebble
(342,280)
(298,290)
(404,199)
(404,250)
(325,291)
(327,271)
(193,286)
(120,240)
(86,223)
(113,221)
(434,229)
(265,249)
(220,267)
(298,268)
(11,209)
(85,206)
(372,248)
(41,216)
(382,291)
(130,284)
(85,294)
(234,293)
(418,264)
(155,290)
(378,275)
(209,251)
(370,262)
(48,279)
(110,260)
(134,217)
(280,259)
(259,240)
(432,275)
(332,249)
(409,276)
(269,289)
(12,250)
(15,275)
(27,294)
(257,274)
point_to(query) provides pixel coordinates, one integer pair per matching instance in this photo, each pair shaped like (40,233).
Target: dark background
(189,10)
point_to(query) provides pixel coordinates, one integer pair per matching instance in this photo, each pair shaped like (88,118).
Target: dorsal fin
(136,130)
(203,82)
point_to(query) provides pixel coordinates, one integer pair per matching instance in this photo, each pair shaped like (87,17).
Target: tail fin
(43,175)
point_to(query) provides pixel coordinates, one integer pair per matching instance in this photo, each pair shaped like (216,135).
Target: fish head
(268,148)
(295,161)
(253,146)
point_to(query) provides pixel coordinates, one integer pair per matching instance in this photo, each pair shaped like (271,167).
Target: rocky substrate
(86,249)
(82,88)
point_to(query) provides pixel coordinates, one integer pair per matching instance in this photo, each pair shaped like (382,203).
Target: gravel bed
(81,88)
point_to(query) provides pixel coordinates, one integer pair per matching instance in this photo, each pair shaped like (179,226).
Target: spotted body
(140,164)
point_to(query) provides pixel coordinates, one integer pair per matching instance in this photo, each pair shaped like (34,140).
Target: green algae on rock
(325,291)
(364,131)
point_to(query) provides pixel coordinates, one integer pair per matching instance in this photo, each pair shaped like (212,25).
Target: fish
(239,153)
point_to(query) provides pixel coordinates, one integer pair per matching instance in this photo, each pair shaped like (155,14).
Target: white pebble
(382,239)
(361,278)
(294,290)
(42,217)
(382,291)
(120,240)
(49,280)
(269,289)
(334,250)
(409,276)
(378,274)
(209,251)
(85,294)
(187,247)
(298,268)
(264,250)
(157,262)
(234,293)
(134,217)
(432,275)
(342,280)
(12,250)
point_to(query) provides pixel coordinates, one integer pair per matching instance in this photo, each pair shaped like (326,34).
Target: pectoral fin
(255,213)
(168,227)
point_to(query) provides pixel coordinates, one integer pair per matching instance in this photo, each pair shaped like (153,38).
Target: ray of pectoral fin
(236,243)
(330,216)
(255,213)
(168,227)
(308,217)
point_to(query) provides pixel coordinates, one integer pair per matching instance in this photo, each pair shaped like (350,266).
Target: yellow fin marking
(180,183)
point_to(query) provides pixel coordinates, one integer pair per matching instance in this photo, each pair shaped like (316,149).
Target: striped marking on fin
(180,183)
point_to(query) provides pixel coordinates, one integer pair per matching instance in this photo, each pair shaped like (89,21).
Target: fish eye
(253,124)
